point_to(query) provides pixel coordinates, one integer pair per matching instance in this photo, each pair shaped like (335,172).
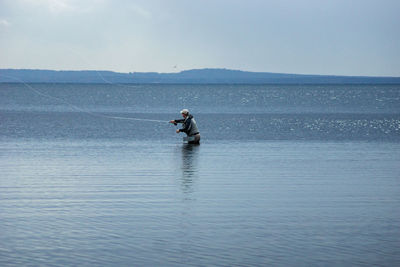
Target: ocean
(285,175)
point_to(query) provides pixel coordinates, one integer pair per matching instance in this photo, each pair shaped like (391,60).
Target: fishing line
(83,58)
(76,107)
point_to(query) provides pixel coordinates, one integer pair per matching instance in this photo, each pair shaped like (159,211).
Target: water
(285,175)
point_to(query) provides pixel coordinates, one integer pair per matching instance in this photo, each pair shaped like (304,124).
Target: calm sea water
(286,175)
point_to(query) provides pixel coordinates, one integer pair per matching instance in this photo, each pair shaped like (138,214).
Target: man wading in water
(189,127)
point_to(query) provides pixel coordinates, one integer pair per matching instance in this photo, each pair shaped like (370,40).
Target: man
(189,127)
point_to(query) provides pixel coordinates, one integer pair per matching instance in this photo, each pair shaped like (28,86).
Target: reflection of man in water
(189,168)
(189,127)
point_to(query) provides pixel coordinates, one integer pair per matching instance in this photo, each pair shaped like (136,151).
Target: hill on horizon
(201,76)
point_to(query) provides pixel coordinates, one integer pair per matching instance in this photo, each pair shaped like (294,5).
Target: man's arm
(188,124)
(176,121)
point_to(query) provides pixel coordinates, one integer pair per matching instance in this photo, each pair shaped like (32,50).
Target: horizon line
(198,69)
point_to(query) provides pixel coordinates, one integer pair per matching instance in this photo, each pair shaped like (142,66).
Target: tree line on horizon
(221,76)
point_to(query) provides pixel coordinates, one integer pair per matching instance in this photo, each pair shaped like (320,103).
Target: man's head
(185,112)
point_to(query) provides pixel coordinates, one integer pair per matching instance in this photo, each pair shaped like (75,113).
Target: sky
(332,37)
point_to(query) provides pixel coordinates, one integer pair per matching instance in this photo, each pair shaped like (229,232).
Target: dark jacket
(189,125)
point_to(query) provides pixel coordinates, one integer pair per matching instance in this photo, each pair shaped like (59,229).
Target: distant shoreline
(196,76)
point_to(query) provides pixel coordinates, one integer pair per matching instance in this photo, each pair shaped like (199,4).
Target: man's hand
(177,131)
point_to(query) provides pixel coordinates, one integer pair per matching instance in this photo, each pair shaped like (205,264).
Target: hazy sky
(342,37)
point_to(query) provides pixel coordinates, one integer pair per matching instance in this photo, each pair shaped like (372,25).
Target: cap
(185,111)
